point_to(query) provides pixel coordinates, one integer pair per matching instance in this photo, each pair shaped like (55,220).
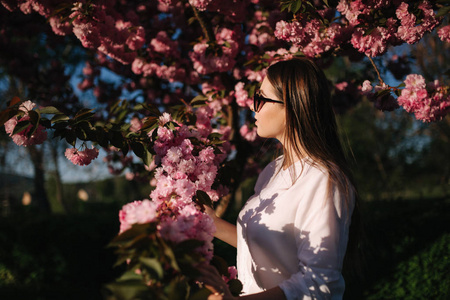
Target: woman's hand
(214,282)
(224,230)
(210,212)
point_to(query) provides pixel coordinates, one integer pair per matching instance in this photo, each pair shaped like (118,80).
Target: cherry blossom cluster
(23,137)
(232,271)
(444,33)
(185,166)
(380,95)
(311,37)
(81,157)
(110,34)
(429,103)
(356,26)
(188,223)
(217,56)
(96,24)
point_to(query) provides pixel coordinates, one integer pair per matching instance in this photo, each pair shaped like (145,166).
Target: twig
(207,31)
(376,70)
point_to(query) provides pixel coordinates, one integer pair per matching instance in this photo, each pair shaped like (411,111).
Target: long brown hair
(311,130)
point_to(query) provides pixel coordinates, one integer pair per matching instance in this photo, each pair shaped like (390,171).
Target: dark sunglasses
(259,100)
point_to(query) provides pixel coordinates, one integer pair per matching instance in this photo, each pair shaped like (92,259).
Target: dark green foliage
(406,251)
(56,256)
(65,256)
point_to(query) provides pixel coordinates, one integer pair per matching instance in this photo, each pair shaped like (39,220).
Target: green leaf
(128,237)
(220,264)
(148,158)
(153,266)
(116,139)
(125,127)
(138,149)
(168,252)
(177,289)
(200,97)
(49,110)
(114,106)
(101,137)
(150,123)
(129,290)
(214,136)
(71,137)
(21,126)
(203,198)
(6,115)
(130,275)
(251,91)
(34,117)
(59,118)
(80,133)
(32,130)
(172,125)
(235,287)
(121,116)
(443,11)
(152,109)
(201,294)
(83,112)
(296,6)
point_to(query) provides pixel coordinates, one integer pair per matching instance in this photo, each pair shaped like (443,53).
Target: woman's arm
(225,231)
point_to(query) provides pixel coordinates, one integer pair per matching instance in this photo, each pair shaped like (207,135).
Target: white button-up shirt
(293,235)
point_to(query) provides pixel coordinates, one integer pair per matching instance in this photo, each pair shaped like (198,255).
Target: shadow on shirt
(287,255)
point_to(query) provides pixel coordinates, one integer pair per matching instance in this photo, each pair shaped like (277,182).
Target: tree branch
(206,28)
(376,70)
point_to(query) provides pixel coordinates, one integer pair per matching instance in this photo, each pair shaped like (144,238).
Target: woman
(291,235)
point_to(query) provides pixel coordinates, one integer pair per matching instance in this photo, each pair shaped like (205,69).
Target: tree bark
(40,194)
(58,181)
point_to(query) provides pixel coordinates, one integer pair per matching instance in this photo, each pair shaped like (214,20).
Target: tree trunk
(40,194)
(58,182)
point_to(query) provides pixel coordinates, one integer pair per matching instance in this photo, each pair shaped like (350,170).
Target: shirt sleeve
(321,233)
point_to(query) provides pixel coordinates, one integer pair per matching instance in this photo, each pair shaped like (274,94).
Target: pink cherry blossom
(249,134)
(444,33)
(136,124)
(81,158)
(408,31)
(366,87)
(241,95)
(200,4)
(373,44)
(21,138)
(137,212)
(232,271)
(428,103)
(206,155)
